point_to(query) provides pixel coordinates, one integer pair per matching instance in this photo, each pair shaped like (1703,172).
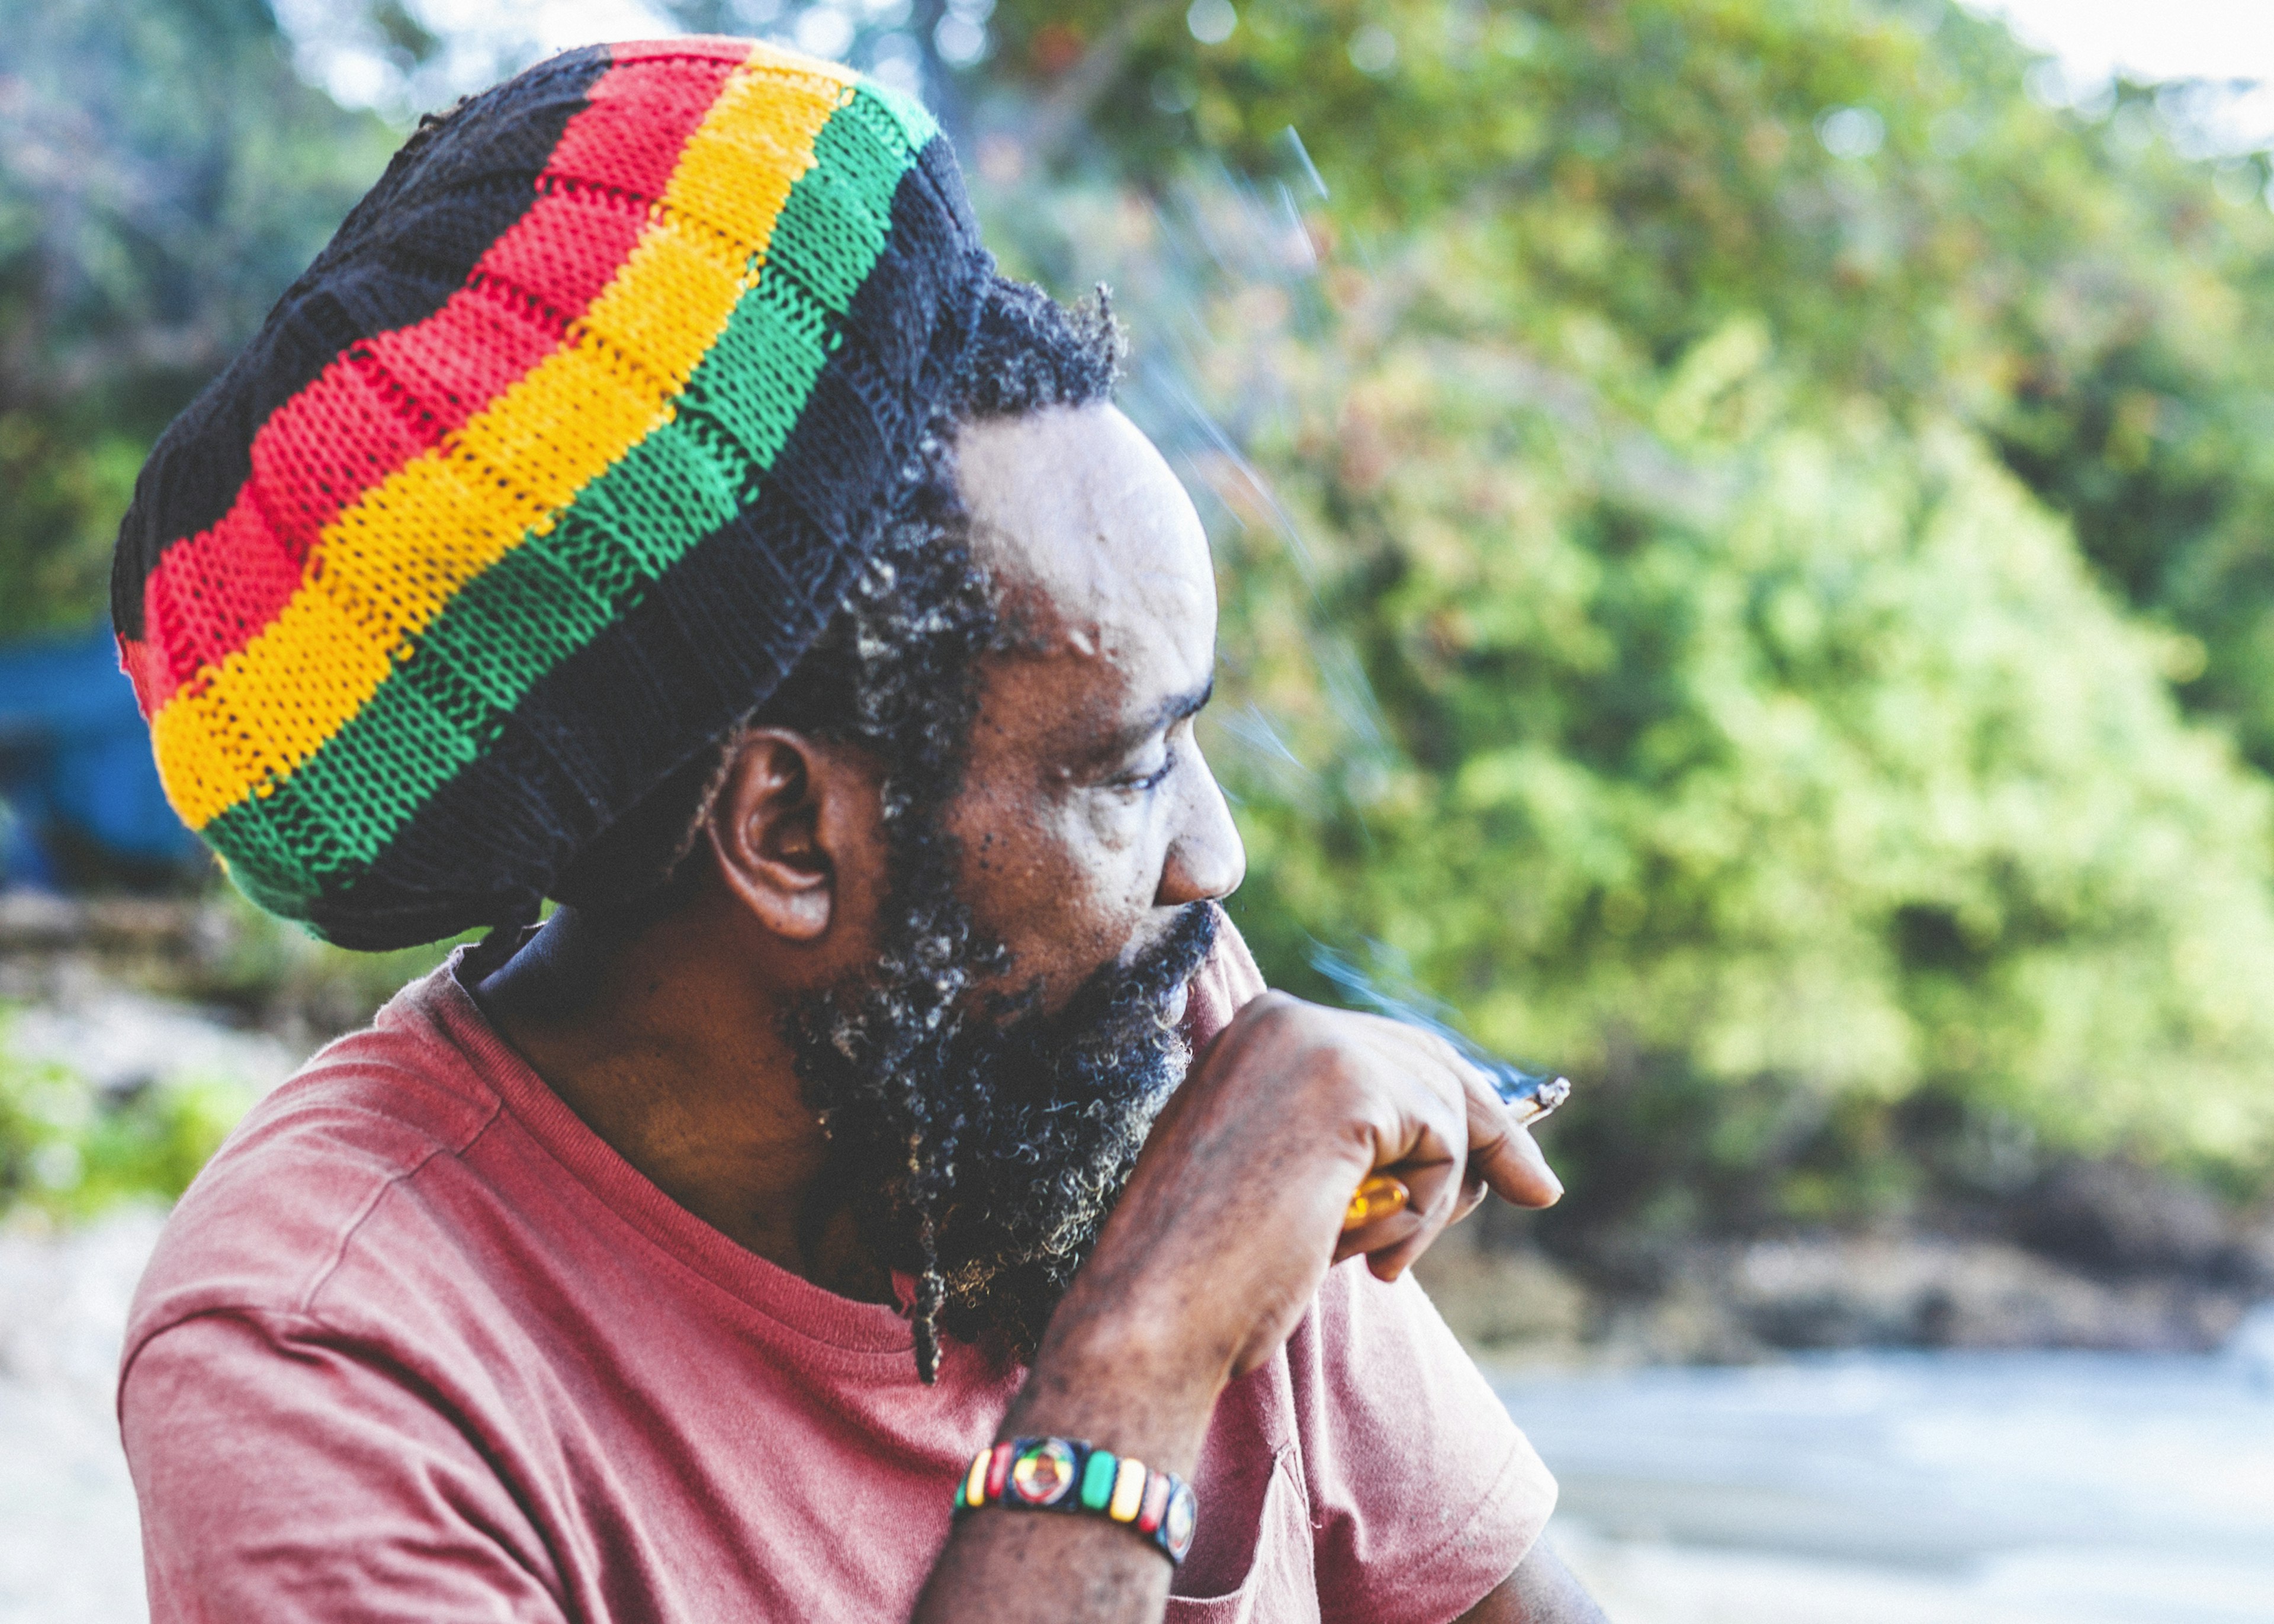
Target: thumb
(1503,1155)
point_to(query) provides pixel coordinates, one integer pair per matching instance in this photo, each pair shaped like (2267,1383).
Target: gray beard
(982,1154)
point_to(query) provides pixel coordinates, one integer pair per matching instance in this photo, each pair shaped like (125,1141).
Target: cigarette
(1530,1095)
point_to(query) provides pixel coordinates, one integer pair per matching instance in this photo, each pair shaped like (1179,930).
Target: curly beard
(980,1149)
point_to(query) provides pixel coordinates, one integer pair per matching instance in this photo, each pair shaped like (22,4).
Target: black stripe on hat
(402,252)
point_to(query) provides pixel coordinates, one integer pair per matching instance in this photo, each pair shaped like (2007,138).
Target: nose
(1205,860)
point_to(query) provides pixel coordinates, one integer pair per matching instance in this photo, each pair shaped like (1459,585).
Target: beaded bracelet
(1064,1474)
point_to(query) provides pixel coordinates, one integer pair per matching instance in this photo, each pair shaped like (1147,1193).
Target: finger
(1502,1154)
(1381,1235)
(1426,1149)
(1394,1256)
(1518,1171)
(1417,1136)
(1428,1056)
(1435,1201)
(1474,1191)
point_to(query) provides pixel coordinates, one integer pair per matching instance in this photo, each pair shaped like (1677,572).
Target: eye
(1147,780)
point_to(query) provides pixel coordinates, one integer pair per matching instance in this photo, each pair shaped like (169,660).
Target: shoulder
(276,1208)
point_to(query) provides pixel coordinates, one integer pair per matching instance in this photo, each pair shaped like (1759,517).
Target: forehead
(1097,554)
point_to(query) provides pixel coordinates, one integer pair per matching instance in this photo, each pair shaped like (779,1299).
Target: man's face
(987,1087)
(1087,817)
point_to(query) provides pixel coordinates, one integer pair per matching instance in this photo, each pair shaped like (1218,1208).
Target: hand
(1234,1211)
(1233,1214)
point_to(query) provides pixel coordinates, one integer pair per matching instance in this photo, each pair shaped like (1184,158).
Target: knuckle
(1336,1069)
(1265,1011)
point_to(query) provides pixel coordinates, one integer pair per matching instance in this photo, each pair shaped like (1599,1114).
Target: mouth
(1172,1008)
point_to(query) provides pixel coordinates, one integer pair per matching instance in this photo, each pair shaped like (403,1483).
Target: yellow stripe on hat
(383,570)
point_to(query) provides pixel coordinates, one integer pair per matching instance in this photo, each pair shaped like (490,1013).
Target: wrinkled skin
(1088,821)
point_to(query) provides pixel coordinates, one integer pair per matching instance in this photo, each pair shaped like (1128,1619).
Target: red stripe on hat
(653,113)
(390,398)
(226,587)
(144,662)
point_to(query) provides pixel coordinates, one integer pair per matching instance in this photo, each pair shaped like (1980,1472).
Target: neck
(665,1043)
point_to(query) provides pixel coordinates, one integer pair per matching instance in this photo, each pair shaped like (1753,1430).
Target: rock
(1720,1303)
(1510,1301)
(119,1040)
(2118,1219)
(1877,1291)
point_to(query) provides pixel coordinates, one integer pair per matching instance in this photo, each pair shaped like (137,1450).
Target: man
(653,500)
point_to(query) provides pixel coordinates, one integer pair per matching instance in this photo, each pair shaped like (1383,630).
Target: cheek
(1116,826)
(1088,858)
(1066,886)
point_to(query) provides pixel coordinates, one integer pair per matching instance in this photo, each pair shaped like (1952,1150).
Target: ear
(794,831)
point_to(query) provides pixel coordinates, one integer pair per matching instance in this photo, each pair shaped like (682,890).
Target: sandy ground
(69,1550)
(2019,1489)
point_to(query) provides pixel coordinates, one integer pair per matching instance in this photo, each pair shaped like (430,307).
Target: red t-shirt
(418,1346)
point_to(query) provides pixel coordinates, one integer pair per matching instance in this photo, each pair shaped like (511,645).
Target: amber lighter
(1531,1097)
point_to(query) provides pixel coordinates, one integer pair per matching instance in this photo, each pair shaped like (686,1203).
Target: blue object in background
(75,761)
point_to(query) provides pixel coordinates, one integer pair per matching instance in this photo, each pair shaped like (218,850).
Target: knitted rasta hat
(546,471)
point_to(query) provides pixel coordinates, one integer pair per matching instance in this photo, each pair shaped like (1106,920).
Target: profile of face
(1089,817)
(1086,837)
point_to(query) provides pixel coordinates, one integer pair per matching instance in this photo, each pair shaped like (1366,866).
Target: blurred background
(1747,538)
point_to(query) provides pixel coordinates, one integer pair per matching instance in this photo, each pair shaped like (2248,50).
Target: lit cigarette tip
(1532,1097)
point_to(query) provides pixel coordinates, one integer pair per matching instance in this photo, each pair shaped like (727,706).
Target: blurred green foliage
(273,973)
(69,1150)
(1739,528)
(1871,184)
(163,175)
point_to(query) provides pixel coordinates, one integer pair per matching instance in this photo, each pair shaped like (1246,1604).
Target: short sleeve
(1423,1495)
(284,1476)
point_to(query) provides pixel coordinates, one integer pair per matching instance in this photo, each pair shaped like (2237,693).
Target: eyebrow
(1167,714)
(1176,708)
